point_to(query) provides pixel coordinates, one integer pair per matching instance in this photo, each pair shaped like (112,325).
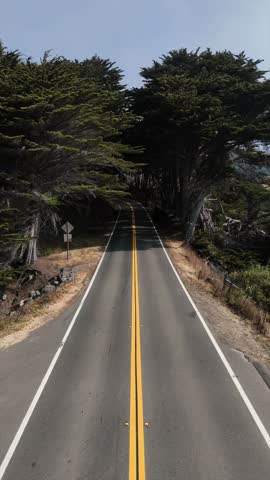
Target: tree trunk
(32,245)
(178,196)
(29,247)
(207,220)
(194,209)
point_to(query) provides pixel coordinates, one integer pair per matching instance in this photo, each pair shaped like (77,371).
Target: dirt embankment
(82,263)
(230,329)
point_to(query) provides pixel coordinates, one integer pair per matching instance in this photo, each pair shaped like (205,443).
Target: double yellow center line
(136,422)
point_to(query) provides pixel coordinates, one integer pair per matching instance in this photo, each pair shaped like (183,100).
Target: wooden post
(67,241)
(67,227)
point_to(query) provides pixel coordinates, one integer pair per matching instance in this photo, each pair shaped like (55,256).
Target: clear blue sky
(134,32)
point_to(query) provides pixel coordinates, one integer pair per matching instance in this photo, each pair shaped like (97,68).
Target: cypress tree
(59,141)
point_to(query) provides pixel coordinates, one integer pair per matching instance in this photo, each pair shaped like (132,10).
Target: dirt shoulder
(82,263)
(230,329)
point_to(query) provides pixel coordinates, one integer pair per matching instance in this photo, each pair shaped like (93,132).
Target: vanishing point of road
(138,387)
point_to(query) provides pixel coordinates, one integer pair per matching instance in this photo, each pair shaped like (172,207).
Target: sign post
(67,227)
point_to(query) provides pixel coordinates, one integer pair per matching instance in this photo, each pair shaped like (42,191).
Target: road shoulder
(247,351)
(229,328)
(50,306)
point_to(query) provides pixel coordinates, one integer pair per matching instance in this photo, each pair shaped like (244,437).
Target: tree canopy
(60,141)
(65,136)
(200,110)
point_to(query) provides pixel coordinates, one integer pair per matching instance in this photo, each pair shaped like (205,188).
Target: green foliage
(228,259)
(8,234)
(61,124)
(10,275)
(197,108)
(255,282)
(246,201)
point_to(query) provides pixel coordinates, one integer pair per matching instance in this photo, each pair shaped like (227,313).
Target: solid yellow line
(133,408)
(140,418)
(136,436)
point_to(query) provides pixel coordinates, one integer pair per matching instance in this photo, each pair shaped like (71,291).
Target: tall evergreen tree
(59,142)
(198,108)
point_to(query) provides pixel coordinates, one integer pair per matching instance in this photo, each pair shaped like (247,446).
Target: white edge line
(46,377)
(228,367)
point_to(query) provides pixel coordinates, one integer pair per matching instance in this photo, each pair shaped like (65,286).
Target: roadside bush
(255,282)
(228,259)
(9,275)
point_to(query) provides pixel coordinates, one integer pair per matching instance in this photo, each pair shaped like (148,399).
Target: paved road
(137,321)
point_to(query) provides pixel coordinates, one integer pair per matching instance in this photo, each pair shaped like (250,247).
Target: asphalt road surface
(138,390)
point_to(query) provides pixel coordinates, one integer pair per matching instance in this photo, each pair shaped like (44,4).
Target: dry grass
(79,259)
(202,273)
(243,305)
(237,325)
(83,261)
